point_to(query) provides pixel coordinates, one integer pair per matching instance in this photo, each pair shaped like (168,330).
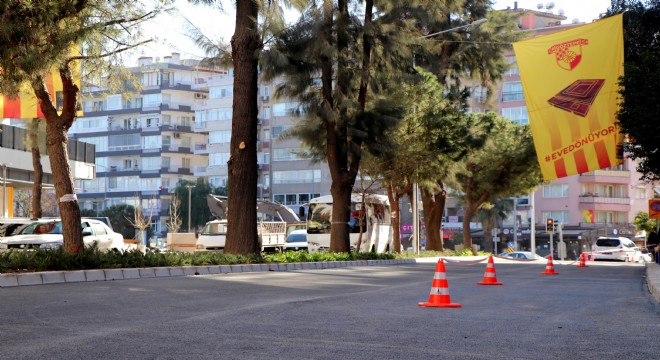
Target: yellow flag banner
(26,105)
(569,80)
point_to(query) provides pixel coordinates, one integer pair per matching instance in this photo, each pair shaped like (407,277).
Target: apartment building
(284,176)
(145,141)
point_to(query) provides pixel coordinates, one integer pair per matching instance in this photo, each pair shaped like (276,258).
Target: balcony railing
(595,199)
(513,96)
(621,173)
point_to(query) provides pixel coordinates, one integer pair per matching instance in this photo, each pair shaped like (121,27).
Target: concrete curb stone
(54,277)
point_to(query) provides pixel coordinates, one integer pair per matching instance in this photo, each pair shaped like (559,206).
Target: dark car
(297,240)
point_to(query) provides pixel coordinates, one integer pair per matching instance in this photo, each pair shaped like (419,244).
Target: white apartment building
(284,176)
(145,142)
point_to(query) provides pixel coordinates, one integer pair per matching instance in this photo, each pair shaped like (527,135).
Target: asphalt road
(599,312)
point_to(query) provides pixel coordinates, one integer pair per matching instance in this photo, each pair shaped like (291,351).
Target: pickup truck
(272,236)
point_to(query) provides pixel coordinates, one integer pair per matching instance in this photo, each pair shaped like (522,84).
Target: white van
(213,236)
(616,248)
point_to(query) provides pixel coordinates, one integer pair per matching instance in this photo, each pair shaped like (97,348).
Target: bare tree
(174,221)
(140,221)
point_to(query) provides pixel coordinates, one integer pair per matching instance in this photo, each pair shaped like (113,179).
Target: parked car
(296,240)
(47,234)
(13,226)
(616,248)
(523,255)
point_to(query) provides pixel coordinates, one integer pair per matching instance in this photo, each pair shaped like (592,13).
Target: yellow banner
(569,80)
(26,105)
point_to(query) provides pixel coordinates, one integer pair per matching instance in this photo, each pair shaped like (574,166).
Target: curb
(653,280)
(58,277)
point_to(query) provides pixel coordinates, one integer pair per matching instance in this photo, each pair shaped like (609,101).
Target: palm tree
(489,215)
(246,46)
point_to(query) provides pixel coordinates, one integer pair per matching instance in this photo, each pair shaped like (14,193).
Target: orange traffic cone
(489,276)
(583,260)
(439,290)
(549,268)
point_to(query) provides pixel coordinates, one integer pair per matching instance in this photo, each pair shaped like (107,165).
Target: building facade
(284,176)
(145,141)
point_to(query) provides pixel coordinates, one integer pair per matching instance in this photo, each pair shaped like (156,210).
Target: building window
(297,177)
(220,137)
(286,154)
(512,91)
(287,109)
(480,94)
(513,66)
(555,191)
(219,159)
(558,216)
(277,130)
(218,181)
(516,114)
(640,193)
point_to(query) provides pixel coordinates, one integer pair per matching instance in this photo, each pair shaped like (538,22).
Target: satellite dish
(539,6)
(561,12)
(550,6)
(575,21)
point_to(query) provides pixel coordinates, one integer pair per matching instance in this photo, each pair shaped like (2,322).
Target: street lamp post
(415,207)
(105,186)
(4,189)
(189,203)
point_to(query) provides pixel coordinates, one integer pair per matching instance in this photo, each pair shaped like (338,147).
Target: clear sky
(170,32)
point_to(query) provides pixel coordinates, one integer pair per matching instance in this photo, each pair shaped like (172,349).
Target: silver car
(47,234)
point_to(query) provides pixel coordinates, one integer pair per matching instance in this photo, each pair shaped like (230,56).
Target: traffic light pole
(552,248)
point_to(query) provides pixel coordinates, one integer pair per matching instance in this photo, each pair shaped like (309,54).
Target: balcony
(201,149)
(604,203)
(606,176)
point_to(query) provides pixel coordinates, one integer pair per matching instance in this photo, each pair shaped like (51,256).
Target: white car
(297,240)
(47,234)
(522,255)
(616,248)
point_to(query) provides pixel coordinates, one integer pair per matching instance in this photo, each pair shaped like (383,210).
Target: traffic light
(550,226)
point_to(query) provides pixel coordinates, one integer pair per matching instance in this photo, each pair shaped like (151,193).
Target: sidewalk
(653,279)
(55,277)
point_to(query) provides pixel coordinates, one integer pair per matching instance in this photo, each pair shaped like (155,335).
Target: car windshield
(296,238)
(215,229)
(43,228)
(608,242)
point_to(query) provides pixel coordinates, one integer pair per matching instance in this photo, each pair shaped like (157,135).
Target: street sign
(654,209)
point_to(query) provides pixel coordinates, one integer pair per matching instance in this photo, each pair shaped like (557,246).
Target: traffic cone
(549,268)
(489,276)
(439,290)
(583,260)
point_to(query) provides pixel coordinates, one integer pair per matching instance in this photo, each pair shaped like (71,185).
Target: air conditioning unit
(177,135)
(199,96)
(259,166)
(265,97)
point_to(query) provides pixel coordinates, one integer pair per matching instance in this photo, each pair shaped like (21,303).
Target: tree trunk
(57,126)
(434,207)
(488,225)
(242,181)
(38,170)
(341,212)
(395,218)
(467,235)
